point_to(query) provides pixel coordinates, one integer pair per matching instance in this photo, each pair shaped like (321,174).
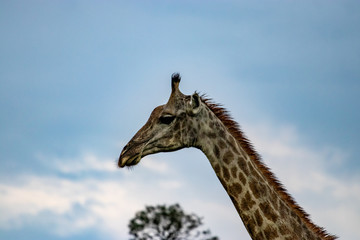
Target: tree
(167,223)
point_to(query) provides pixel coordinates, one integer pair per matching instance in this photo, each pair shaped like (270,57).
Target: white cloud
(87,161)
(108,202)
(170,184)
(155,165)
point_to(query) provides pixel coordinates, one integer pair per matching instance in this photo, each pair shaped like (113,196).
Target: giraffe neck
(264,211)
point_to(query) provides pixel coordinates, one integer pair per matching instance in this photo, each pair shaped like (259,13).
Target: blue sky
(79,78)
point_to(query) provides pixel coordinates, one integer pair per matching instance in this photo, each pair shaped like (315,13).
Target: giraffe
(263,204)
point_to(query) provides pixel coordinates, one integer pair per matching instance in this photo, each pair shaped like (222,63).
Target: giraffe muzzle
(127,161)
(130,155)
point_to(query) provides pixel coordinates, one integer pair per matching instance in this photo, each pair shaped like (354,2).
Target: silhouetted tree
(167,223)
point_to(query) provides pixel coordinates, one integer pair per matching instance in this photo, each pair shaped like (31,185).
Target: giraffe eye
(167,119)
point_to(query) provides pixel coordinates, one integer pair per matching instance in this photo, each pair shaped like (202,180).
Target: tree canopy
(163,222)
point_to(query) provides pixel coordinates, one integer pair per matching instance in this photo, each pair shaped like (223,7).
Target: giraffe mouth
(128,161)
(133,161)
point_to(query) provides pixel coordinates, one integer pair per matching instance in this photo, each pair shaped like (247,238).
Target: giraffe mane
(234,128)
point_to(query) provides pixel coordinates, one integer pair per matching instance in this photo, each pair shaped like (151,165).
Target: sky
(79,78)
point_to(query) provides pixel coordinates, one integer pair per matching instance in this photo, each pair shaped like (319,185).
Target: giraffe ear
(194,104)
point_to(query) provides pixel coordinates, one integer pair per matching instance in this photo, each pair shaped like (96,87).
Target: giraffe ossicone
(263,204)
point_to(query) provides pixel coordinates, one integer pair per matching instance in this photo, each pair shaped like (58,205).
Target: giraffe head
(169,128)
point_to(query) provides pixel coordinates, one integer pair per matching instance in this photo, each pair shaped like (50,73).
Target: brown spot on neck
(247,203)
(270,233)
(228,157)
